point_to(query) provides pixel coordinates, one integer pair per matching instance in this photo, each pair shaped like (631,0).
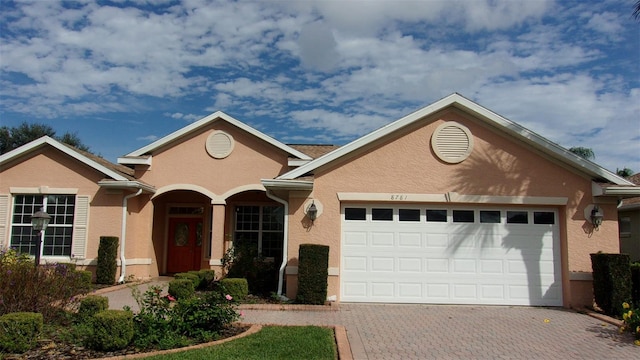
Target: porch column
(217,233)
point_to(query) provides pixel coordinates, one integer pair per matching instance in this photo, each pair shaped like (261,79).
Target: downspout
(123,236)
(285,240)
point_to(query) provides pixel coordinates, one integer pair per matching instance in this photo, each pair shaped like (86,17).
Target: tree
(583,152)
(626,172)
(636,10)
(16,136)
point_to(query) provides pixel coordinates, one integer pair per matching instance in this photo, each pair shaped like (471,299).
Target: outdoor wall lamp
(597,215)
(312,212)
(39,222)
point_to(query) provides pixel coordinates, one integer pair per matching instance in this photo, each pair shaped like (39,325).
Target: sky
(121,74)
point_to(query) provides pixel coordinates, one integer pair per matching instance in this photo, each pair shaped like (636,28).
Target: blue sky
(124,73)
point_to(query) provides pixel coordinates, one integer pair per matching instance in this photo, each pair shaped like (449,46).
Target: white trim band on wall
(452,197)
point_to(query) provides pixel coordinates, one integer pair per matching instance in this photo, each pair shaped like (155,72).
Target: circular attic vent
(452,142)
(219,144)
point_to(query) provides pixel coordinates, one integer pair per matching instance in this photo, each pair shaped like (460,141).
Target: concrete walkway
(450,332)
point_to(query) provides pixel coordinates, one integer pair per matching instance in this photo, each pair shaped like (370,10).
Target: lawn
(272,342)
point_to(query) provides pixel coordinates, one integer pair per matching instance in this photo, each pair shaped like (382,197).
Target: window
(463,216)
(437,215)
(624,226)
(409,214)
(517,217)
(58,236)
(544,217)
(382,214)
(263,227)
(355,213)
(490,217)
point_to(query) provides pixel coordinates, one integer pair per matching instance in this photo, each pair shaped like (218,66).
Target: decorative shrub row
(111,330)
(181,288)
(44,289)
(611,282)
(19,331)
(107,263)
(313,267)
(91,305)
(236,287)
(201,279)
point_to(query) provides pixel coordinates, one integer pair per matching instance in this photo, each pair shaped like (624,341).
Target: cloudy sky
(124,73)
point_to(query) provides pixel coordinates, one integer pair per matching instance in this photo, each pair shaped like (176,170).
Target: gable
(489,118)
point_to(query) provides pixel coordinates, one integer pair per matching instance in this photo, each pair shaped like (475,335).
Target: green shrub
(244,261)
(91,305)
(181,288)
(207,277)
(19,331)
(203,317)
(85,279)
(313,267)
(631,321)
(635,283)
(611,282)
(237,288)
(112,330)
(193,277)
(45,289)
(107,263)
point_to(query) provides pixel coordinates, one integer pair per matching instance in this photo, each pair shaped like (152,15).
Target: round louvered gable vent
(452,142)
(219,144)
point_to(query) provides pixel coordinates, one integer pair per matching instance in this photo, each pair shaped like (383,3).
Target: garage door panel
(447,263)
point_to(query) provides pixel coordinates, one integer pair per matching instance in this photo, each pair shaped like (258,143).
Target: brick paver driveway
(464,332)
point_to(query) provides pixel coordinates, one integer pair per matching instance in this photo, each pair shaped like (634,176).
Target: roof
(634,202)
(217,116)
(119,174)
(459,102)
(314,151)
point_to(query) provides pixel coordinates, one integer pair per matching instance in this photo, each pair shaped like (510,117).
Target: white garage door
(454,255)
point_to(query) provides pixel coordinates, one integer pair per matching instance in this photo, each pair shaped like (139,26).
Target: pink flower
(171,298)
(241,313)
(228,297)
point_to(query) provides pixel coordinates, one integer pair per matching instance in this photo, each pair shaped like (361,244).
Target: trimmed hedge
(181,288)
(238,288)
(207,276)
(111,330)
(19,331)
(611,281)
(107,263)
(635,283)
(191,276)
(91,305)
(313,267)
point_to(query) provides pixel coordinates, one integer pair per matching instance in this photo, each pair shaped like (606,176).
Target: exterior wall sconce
(597,215)
(39,222)
(312,212)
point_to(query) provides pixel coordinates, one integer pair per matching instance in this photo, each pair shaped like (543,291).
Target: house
(451,204)
(629,223)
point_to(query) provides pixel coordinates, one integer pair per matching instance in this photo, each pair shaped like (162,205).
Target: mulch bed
(53,349)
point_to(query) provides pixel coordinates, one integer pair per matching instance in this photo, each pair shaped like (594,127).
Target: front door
(185,244)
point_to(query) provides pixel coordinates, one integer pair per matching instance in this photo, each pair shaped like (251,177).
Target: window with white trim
(262,226)
(57,238)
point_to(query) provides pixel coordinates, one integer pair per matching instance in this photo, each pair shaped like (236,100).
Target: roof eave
(276,184)
(128,184)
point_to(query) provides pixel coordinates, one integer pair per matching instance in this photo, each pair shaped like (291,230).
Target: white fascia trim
(65,149)
(287,184)
(209,119)
(297,162)
(452,197)
(138,160)
(127,184)
(619,191)
(483,113)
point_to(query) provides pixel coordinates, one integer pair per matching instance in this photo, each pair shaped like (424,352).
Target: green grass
(272,342)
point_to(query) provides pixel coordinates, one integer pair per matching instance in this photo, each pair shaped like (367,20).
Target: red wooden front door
(185,244)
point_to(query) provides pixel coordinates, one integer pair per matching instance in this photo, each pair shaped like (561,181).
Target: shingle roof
(314,151)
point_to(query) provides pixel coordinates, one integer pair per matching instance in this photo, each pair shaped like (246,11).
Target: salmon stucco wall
(405,164)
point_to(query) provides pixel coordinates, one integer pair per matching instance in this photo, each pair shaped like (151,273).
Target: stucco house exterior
(451,204)
(629,223)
